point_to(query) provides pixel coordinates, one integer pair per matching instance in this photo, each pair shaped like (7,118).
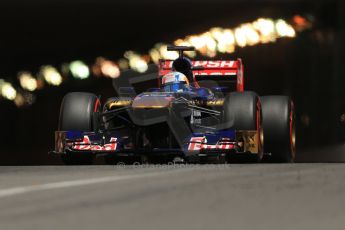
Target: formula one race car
(191,117)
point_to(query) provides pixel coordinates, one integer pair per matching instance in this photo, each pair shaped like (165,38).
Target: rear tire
(278,122)
(77,114)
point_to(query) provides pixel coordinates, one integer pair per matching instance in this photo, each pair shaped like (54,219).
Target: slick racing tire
(77,114)
(278,122)
(242,111)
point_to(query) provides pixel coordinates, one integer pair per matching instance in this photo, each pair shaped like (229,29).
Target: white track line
(72,183)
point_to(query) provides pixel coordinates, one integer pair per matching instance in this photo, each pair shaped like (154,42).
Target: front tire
(242,111)
(77,114)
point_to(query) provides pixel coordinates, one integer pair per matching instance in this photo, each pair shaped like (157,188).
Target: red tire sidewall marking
(291,117)
(258,124)
(97,105)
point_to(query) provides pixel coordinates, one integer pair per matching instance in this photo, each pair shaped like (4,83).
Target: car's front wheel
(77,114)
(278,122)
(242,112)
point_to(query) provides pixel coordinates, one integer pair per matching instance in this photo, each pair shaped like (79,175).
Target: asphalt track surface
(234,196)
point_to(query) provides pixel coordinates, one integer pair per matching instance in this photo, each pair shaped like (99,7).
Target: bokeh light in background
(27,81)
(123,64)
(225,39)
(24,99)
(240,37)
(160,51)
(266,28)
(7,90)
(284,29)
(107,68)
(79,69)
(302,23)
(51,75)
(208,44)
(136,62)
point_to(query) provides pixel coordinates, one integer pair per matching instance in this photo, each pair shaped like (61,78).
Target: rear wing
(217,70)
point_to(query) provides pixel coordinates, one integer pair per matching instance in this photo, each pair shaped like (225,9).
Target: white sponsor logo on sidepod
(86,145)
(199,143)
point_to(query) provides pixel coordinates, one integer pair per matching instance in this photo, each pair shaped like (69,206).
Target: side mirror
(220,91)
(127,92)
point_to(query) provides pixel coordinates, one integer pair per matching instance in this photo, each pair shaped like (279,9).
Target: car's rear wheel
(278,122)
(242,111)
(77,114)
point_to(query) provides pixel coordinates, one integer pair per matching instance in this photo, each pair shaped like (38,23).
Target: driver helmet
(183,65)
(175,77)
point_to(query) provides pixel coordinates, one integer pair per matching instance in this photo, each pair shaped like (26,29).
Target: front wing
(219,144)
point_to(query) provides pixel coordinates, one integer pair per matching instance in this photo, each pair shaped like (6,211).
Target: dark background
(309,68)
